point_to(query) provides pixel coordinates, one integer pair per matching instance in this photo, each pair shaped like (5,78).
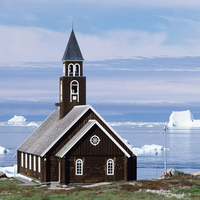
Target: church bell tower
(72,83)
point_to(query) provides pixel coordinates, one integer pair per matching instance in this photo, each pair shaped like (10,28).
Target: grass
(184,184)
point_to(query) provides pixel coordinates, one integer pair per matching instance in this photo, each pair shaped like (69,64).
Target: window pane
(110,167)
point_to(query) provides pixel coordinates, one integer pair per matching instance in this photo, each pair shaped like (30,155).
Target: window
(22,159)
(39,167)
(73,69)
(34,163)
(94,140)
(26,160)
(74,89)
(79,167)
(70,69)
(30,162)
(110,167)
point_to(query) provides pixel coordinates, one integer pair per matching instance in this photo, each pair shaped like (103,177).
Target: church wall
(25,169)
(94,169)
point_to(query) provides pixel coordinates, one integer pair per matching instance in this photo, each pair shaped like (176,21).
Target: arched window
(110,167)
(77,70)
(74,91)
(79,167)
(73,69)
(70,69)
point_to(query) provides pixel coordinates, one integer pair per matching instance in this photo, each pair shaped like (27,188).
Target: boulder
(2,175)
(173,172)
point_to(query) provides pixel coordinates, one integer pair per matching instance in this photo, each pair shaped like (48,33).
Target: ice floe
(139,124)
(149,149)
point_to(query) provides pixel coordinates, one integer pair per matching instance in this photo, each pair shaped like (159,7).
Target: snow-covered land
(183,119)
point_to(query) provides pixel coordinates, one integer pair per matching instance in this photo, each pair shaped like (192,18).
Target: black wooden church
(75,144)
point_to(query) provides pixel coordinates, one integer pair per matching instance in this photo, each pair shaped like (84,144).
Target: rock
(162,176)
(173,172)
(2,175)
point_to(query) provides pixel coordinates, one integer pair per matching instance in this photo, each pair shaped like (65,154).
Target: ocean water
(183,151)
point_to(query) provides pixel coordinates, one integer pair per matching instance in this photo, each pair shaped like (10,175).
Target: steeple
(72,51)
(72,83)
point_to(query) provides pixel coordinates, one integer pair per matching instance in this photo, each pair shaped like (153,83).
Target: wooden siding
(105,147)
(26,170)
(66,105)
(94,169)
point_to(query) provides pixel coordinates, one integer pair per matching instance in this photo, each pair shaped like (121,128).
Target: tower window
(70,69)
(73,69)
(79,167)
(74,91)
(110,167)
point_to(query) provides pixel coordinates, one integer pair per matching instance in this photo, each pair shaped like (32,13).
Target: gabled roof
(81,133)
(50,131)
(54,127)
(72,51)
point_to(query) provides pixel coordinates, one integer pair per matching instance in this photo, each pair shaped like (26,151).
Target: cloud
(31,44)
(146,3)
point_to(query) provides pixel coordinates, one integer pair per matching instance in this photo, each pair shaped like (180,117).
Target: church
(75,144)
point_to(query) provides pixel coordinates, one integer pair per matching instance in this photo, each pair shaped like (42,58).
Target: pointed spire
(72,51)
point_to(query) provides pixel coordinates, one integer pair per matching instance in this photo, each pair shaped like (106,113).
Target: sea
(176,148)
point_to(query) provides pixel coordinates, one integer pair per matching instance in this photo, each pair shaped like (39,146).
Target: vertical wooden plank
(125,168)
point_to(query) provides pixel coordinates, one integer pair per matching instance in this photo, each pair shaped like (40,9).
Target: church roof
(72,51)
(81,133)
(54,127)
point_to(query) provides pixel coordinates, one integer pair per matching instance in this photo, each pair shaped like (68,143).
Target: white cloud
(30,44)
(146,3)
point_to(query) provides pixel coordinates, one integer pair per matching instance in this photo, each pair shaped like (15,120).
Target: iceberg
(149,149)
(17,121)
(183,119)
(9,171)
(3,150)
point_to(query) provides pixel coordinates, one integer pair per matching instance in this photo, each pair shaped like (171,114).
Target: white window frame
(79,167)
(25,160)
(30,163)
(74,69)
(34,163)
(110,167)
(22,159)
(39,166)
(74,83)
(78,69)
(94,141)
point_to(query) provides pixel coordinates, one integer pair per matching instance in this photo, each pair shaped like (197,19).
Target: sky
(140,56)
